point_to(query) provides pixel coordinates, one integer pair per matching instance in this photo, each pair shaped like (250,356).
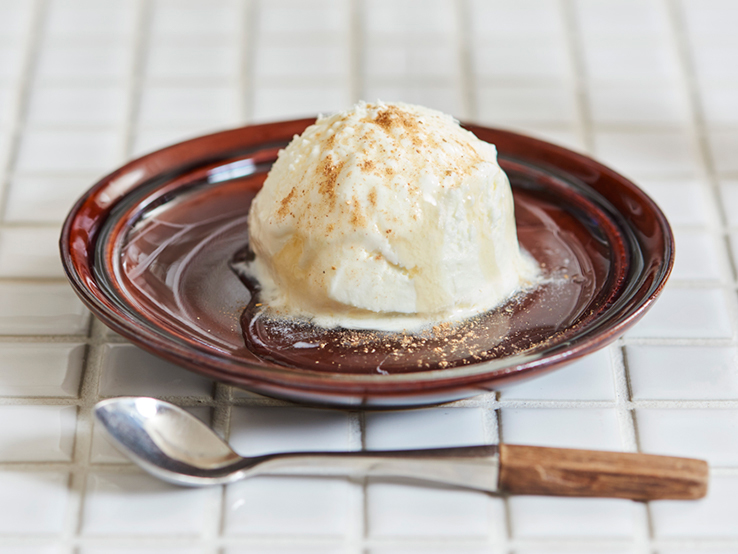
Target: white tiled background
(650,87)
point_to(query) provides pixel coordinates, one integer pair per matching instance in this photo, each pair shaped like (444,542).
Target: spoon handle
(515,469)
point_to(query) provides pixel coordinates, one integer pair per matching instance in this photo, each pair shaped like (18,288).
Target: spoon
(173,445)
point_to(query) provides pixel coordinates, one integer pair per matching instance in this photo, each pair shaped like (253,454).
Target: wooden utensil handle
(565,472)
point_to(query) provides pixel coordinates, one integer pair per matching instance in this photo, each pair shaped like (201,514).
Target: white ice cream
(387,216)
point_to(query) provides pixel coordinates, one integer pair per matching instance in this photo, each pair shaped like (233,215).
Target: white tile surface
(429,428)
(714,516)
(509,105)
(34,502)
(683,372)
(58,105)
(710,434)
(191,61)
(195,18)
(398,510)
(638,105)
(29,252)
(647,153)
(41,309)
(85,151)
(595,428)
(541,517)
(684,202)
(81,63)
(38,433)
(44,199)
(589,378)
(288,506)
(697,256)
(128,370)
(136,504)
(34,369)
(723,145)
(681,313)
(256,431)
(273,103)
(87,18)
(182,105)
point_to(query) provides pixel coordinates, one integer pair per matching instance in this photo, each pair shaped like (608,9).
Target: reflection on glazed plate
(148,250)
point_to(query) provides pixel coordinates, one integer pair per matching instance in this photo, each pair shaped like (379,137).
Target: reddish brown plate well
(148,250)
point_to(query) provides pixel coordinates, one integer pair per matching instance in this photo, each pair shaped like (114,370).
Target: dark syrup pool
(530,319)
(177,266)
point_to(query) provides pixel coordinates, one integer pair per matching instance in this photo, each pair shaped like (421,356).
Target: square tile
(397,61)
(697,255)
(710,19)
(113,549)
(589,378)
(686,313)
(183,106)
(195,18)
(714,65)
(547,517)
(67,151)
(683,201)
(75,105)
(41,309)
(29,252)
(89,18)
(509,105)
(34,503)
(129,371)
(11,62)
(443,97)
(399,510)
(683,372)
(188,61)
(15,18)
(256,431)
(708,434)
(427,428)
(520,58)
(86,63)
(400,17)
(523,18)
(148,140)
(293,17)
(275,103)
(630,61)
(323,62)
(622,19)
(723,145)
(38,433)
(591,428)
(33,369)
(709,518)
(125,504)
(647,153)
(638,105)
(289,506)
(44,199)
(720,104)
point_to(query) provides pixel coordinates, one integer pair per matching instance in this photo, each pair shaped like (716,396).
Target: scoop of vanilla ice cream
(386,216)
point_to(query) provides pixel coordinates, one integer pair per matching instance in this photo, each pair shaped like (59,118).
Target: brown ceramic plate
(147,249)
